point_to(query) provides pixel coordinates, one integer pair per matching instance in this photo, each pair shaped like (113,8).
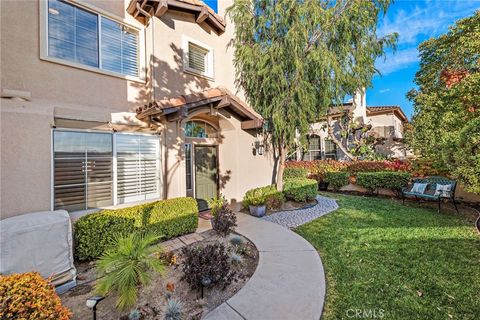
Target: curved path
(289,282)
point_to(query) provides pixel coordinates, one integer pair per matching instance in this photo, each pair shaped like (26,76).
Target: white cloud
(426,19)
(384,90)
(422,19)
(400,60)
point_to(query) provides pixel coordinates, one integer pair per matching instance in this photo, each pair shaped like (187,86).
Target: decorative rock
(295,218)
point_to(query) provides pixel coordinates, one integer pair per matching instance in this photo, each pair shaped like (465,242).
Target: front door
(205,175)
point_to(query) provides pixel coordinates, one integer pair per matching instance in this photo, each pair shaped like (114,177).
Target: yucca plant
(126,265)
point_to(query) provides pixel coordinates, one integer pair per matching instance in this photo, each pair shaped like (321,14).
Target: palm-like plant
(126,265)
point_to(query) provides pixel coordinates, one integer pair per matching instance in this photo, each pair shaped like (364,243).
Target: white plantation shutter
(119,48)
(138,167)
(197,58)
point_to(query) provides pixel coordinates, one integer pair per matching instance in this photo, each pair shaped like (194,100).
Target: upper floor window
(199,129)
(91,39)
(198,58)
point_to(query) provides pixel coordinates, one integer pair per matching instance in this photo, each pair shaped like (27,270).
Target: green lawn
(410,262)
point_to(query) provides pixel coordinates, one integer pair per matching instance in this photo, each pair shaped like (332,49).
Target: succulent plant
(134,315)
(236,258)
(174,310)
(237,240)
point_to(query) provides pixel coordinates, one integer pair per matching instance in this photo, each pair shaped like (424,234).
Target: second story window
(198,58)
(91,39)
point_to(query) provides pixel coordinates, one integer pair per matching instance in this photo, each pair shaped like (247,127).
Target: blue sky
(414,21)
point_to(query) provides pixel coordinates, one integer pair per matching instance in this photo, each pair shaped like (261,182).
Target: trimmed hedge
(166,218)
(263,195)
(294,173)
(387,179)
(300,189)
(336,180)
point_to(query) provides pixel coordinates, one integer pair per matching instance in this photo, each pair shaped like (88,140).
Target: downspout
(164,133)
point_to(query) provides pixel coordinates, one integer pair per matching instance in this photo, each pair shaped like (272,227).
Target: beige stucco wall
(392,126)
(55,90)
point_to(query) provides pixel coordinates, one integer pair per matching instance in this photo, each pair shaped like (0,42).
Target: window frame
(330,153)
(141,77)
(210,65)
(310,151)
(160,164)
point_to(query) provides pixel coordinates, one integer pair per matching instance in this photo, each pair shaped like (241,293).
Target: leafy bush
(275,200)
(336,180)
(322,167)
(215,204)
(29,296)
(259,196)
(208,263)
(300,189)
(225,221)
(166,218)
(294,173)
(387,179)
(126,265)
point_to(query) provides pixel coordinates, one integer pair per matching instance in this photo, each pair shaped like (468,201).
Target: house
(387,123)
(110,103)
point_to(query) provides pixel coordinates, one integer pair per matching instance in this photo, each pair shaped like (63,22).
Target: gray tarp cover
(40,241)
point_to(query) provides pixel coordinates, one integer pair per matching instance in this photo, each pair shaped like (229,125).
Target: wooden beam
(252,124)
(162,8)
(180,114)
(202,15)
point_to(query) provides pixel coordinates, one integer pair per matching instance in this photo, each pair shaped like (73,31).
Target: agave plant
(173,310)
(126,265)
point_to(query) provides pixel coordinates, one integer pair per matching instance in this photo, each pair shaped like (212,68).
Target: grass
(400,262)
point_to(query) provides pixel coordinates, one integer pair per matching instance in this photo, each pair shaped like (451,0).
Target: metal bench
(430,190)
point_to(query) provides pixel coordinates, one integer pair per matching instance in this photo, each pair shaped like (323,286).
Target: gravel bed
(295,218)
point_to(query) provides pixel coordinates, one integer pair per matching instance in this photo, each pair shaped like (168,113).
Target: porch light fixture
(259,148)
(92,304)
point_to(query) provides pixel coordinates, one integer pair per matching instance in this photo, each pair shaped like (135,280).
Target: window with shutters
(138,163)
(198,58)
(93,169)
(86,38)
(83,172)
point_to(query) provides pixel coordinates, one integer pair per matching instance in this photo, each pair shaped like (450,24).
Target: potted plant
(258,207)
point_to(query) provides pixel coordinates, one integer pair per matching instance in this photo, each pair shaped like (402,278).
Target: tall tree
(295,58)
(446,120)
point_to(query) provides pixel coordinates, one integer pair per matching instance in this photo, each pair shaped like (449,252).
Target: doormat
(205,215)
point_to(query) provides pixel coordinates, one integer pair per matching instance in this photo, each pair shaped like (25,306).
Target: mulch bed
(152,298)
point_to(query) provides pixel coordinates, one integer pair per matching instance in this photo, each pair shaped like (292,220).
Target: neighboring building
(387,122)
(103,105)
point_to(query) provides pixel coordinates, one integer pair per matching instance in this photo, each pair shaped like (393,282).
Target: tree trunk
(336,141)
(282,151)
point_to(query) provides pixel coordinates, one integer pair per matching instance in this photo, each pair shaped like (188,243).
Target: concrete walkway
(289,282)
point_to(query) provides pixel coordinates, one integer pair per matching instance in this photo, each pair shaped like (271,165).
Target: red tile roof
(374,110)
(157,8)
(198,99)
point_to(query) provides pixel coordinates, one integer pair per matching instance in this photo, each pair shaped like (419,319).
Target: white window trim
(100,12)
(210,73)
(160,164)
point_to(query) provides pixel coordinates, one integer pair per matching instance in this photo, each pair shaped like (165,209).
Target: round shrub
(300,189)
(336,180)
(260,196)
(211,262)
(29,296)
